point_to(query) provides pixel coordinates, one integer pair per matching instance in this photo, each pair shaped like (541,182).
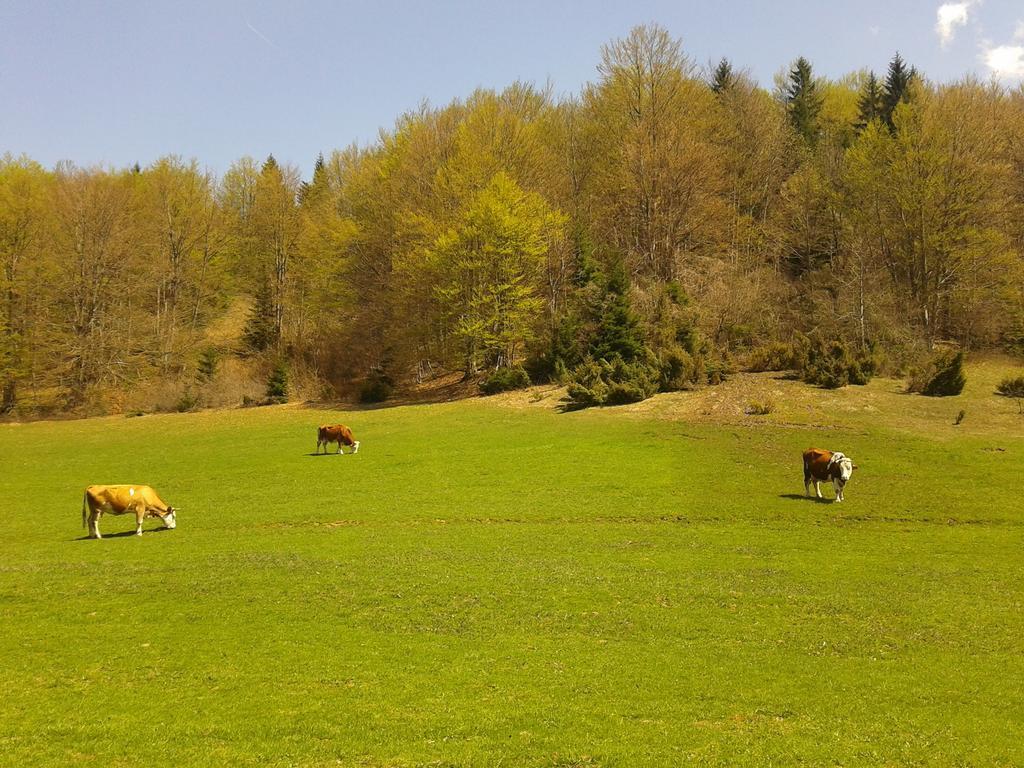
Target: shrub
(581,396)
(776,356)
(943,376)
(678,369)
(692,363)
(612,383)
(1013,387)
(188,401)
(621,393)
(831,365)
(718,369)
(377,388)
(504,380)
(756,408)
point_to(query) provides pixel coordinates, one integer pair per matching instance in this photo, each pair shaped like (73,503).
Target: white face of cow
(845,469)
(169,520)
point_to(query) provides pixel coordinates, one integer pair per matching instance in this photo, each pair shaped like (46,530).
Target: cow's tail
(85,504)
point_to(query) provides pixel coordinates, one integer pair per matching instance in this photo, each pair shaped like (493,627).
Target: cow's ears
(855,466)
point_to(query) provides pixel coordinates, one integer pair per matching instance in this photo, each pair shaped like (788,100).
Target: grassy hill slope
(493,582)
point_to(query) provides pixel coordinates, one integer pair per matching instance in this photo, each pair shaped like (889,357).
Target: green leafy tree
(24,211)
(655,171)
(276,225)
(490,264)
(183,242)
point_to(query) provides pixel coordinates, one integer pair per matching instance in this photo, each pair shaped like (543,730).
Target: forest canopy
(665,222)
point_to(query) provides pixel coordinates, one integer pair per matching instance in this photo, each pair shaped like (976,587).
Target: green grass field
(492,582)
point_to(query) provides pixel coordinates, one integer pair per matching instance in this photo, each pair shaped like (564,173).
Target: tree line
(665,216)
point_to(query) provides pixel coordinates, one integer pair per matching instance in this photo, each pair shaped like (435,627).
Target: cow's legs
(94,524)
(355,447)
(340,447)
(839,490)
(140,515)
(817,488)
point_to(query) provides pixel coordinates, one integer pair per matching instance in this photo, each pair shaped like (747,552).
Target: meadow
(495,582)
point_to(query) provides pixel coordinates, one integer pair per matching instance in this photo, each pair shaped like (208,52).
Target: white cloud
(1019,34)
(1005,60)
(874,31)
(951,16)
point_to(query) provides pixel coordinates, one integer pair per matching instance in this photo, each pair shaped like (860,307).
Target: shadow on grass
(332,453)
(123,534)
(802,497)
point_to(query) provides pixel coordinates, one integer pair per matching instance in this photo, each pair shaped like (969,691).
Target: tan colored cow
(335,433)
(120,500)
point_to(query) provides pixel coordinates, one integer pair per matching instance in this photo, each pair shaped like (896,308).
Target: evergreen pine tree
(259,332)
(307,188)
(870,106)
(618,330)
(723,78)
(895,89)
(803,101)
(207,368)
(277,384)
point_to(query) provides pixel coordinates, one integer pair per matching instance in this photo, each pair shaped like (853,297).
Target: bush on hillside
(776,356)
(759,408)
(678,369)
(188,401)
(599,382)
(831,364)
(718,369)
(1013,387)
(377,388)
(505,380)
(943,376)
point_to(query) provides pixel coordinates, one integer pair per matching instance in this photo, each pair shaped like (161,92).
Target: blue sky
(113,83)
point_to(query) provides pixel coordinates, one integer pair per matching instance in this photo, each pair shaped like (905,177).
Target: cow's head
(843,467)
(169,517)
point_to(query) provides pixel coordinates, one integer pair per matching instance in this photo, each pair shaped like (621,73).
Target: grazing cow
(121,499)
(335,433)
(820,465)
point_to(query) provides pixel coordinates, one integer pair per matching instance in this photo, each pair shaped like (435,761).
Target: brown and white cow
(335,433)
(120,500)
(821,465)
